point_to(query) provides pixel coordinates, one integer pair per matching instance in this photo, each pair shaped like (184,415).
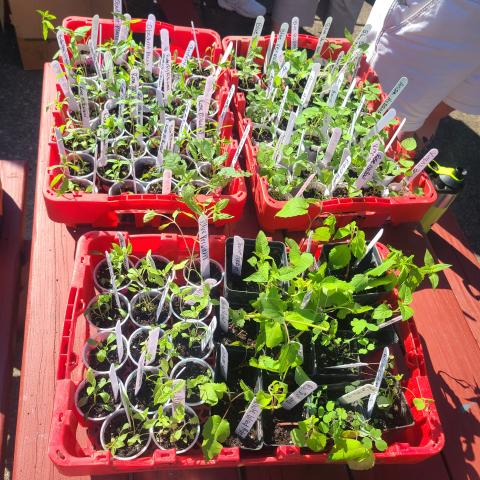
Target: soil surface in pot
(97,409)
(262,135)
(137,343)
(107,318)
(178,306)
(183,348)
(237,334)
(192,370)
(80,167)
(145,312)
(144,398)
(278,424)
(111,357)
(248,83)
(398,415)
(114,430)
(124,171)
(163,437)
(103,276)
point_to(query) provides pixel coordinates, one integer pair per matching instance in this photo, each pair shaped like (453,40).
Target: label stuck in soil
(224,361)
(61,146)
(183,123)
(139,375)
(112,374)
(125,402)
(332,145)
(349,92)
(152,345)
(204,246)
(167,182)
(63,47)
(178,392)
(351,130)
(65,86)
(342,170)
(226,105)
(208,92)
(295,27)
(332,97)
(392,96)
(305,185)
(357,394)
(269,52)
(188,53)
(378,380)
(224,314)
(117,21)
(257,31)
(369,169)
(308,90)
(119,340)
(237,255)
(124,28)
(302,392)
(112,280)
(167,73)
(165,40)
(84,108)
(148,49)
(240,146)
(201,112)
(420,166)
(94,31)
(282,35)
(282,106)
(209,334)
(248,420)
(306,299)
(380,125)
(347,365)
(322,38)
(390,322)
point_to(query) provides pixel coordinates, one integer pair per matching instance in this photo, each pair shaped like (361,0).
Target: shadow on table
(460,426)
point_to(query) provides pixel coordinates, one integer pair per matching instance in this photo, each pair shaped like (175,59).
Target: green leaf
(274,333)
(433,277)
(406,311)
(405,294)
(262,249)
(317,441)
(215,431)
(358,245)
(339,257)
(409,144)
(381,312)
(211,393)
(428,259)
(149,216)
(322,234)
(294,207)
(348,449)
(298,320)
(419,403)
(261,275)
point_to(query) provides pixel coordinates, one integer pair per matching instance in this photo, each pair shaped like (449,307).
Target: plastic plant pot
(86,418)
(160,263)
(142,166)
(195,350)
(111,357)
(124,151)
(139,336)
(145,391)
(83,185)
(167,409)
(106,431)
(102,267)
(92,317)
(183,369)
(148,317)
(85,157)
(176,304)
(94,116)
(238,292)
(126,170)
(126,187)
(156,187)
(191,273)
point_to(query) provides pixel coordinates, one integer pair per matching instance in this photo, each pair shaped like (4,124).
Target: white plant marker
(96,163)
(358,111)
(84,107)
(132,160)
(161,147)
(266,60)
(332,97)
(123,95)
(179,392)
(378,381)
(183,123)
(112,374)
(347,365)
(302,392)
(282,35)
(61,146)
(281,74)
(306,298)
(310,85)
(224,314)
(170,139)
(108,67)
(225,108)
(204,246)
(294,30)
(152,345)
(117,21)
(335,66)
(342,170)
(282,106)
(332,146)
(309,243)
(395,135)
(321,39)
(124,28)
(372,243)
(368,171)
(167,73)
(125,402)
(194,33)
(163,299)
(207,338)
(240,146)
(139,375)
(305,185)
(63,49)
(249,418)
(188,53)
(257,31)
(201,116)
(165,40)
(289,129)
(300,147)
(119,341)
(396,319)
(361,37)
(65,86)
(148,49)
(94,31)
(392,96)
(357,394)
(122,242)
(167,182)
(208,92)
(277,153)
(161,105)
(96,65)
(237,255)
(349,92)
(224,361)
(380,125)
(112,280)
(420,166)
(223,60)
(371,155)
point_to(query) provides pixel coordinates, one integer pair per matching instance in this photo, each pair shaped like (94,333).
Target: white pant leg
(344,14)
(436,44)
(284,10)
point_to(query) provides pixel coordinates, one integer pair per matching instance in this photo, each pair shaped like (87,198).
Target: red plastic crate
(71,449)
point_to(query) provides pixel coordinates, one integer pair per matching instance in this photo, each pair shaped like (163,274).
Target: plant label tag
(347,365)
(225,108)
(94,32)
(134,81)
(420,166)
(372,243)
(342,170)
(332,97)
(152,345)
(332,145)
(349,92)
(269,52)
(65,86)
(337,63)
(305,185)
(321,39)
(295,27)
(282,106)
(139,375)
(125,402)
(208,92)
(93,55)
(257,31)
(112,280)
(309,242)
(194,33)
(277,153)
(119,340)
(204,246)
(165,40)
(84,108)
(170,135)
(240,146)
(302,392)
(124,28)
(188,53)
(237,255)
(201,116)
(282,35)
(380,125)
(378,380)
(178,392)
(359,109)
(117,21)
(63,47)
(289,129)
(353,62)
(162,300)
(224,361)
(374,159)
(310,85)
(395,135)
(61,147)
(224,59)
(357,394)
(148,48)
(392,96)
(390,322)
(112,374)
(167,73)
(183,123)
(207,338)
(123,245)
(248,420)
(306,299)
(224,314)
(361,37)
(167,182)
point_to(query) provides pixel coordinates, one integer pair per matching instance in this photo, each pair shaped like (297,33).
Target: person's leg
(246,8)
(284,10)
(344,14)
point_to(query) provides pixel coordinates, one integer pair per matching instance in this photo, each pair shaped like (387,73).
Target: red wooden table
(447,320)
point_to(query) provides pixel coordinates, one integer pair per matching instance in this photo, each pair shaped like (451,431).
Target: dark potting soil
(193,273)
(163,437)
(372,191)
(124,170)
(83,167)
(185,350)
(261,135)
(147,172)
(144,398)
(206,170)
(237,334)
(337,356)
(103,275)
(398,415)
(114,430)
(145,314)
(247,84)
(99,408)
(192,370)
(340,192)
(178,306)
(278,424)
(124,150)
(93,112)
(136,345)
(111,357)
(107,318)
(125,189)
(198,83)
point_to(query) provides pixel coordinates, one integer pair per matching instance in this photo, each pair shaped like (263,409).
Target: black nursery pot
(238,292)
